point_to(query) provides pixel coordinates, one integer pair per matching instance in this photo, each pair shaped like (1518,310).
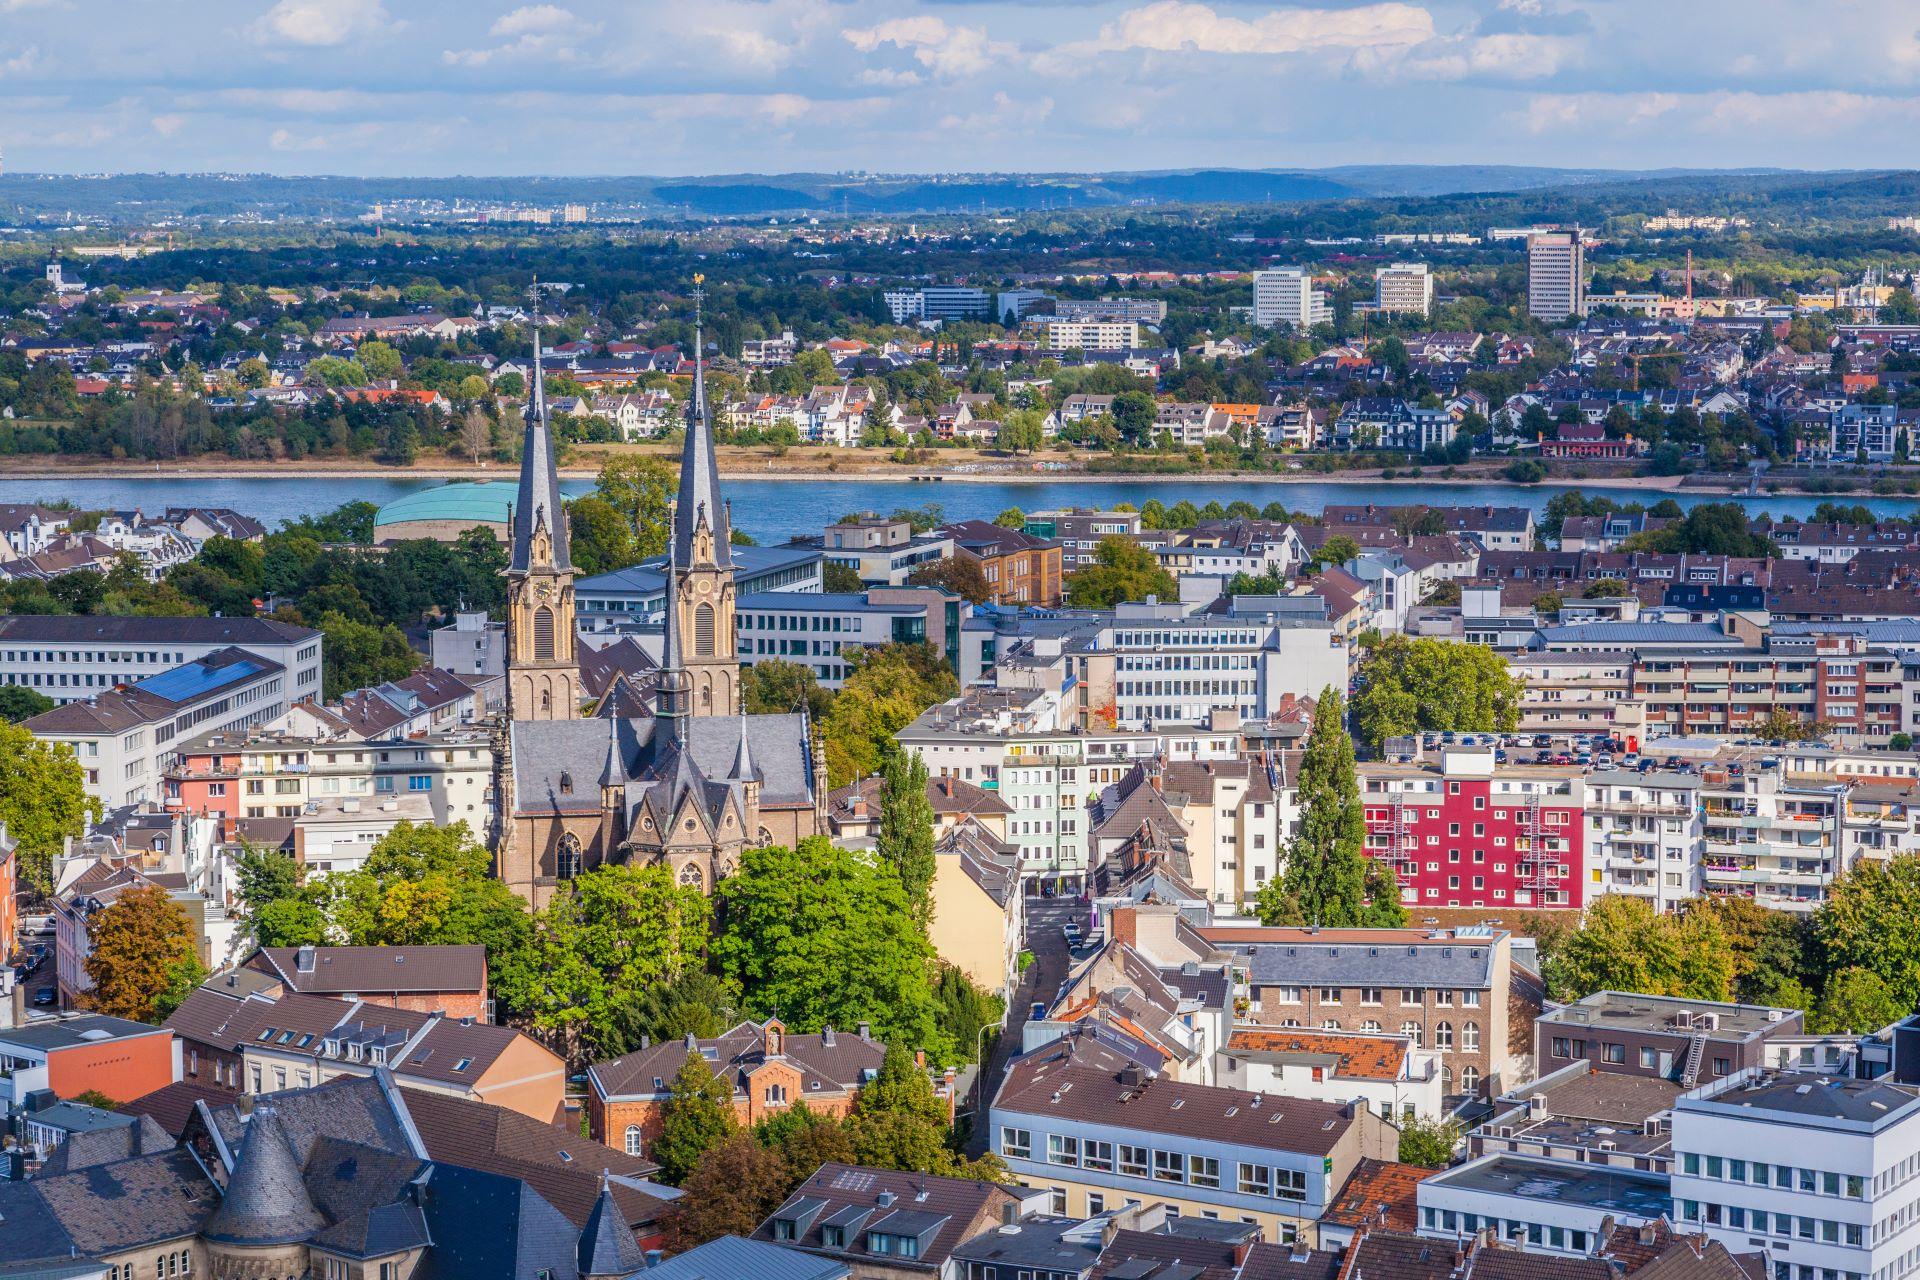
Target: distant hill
(144,198)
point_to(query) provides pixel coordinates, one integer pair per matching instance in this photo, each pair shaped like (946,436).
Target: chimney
(1646,1233)
(693,1045)
(920,1058)
(826,1037)
(884,1199)
(644,1039)
(1121,926)
(1240,1252)
(866,1031)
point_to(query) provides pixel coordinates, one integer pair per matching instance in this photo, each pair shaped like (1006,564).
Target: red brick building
(1462,833)
(1585,440)
(767,1068)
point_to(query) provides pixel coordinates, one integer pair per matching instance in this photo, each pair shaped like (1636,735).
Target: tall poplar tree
(1326,867)
(905,837)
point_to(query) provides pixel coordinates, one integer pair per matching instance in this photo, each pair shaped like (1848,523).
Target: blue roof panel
(193,679)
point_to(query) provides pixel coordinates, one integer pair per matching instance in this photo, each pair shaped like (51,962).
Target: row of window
(1649,1058)
(1787,1226)
(1537,1234)
(1133,1161)
(1823,1182)
(1443,997)
(177,1263)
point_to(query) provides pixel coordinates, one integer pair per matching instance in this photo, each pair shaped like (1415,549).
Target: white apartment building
(1286,295)
(1770,837)
(1643,835)
(1153,665)
(1398,1079)
(1405,287)
(1556,268)
(126,738)
(1150,311)
(72,657)
(1822,1174)
(1092,335)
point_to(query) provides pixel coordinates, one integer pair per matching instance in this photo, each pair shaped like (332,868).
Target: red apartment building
(1462,834)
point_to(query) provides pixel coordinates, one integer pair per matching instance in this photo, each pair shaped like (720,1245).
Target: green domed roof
(485,502)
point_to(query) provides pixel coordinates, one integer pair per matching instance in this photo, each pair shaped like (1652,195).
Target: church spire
(672,693)
(743,758)
(699,469)
(537,512)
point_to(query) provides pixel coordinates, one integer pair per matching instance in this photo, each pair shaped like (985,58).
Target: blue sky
(401,87)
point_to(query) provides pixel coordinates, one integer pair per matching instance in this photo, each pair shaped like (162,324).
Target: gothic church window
(567,865)
(690,876)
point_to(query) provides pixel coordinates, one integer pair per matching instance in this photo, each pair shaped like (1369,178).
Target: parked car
(45,996)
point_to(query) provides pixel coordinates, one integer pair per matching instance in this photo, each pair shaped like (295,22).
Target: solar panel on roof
(196,678)
(852,1180)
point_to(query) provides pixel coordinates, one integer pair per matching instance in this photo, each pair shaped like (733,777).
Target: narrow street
(1045,919)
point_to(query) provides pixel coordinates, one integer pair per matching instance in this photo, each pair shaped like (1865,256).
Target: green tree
(961,575)
(640,491)
(379,359)
(615,929)
(696,1117)
(805,1139)
(1867,922)
(1122,570)
(887,689)
(1623,944)
(1409,684)
(826,937)
(841,579)
(1429,1144)
(905,835)
(1021,432)
(1336,551)
(965,1011)
(361,654)
(601,538)
(1606,589)
(142,947)
(266,876)
(696,1003)
(1326,863)
(1011,518)
(43,800)
(776,687)
(288,922)
(17,703)
(1712,529)
(1856,1001)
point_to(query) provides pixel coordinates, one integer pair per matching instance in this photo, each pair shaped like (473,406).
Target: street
(1051,962)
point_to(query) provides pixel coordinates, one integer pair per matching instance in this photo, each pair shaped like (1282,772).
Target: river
(773,510)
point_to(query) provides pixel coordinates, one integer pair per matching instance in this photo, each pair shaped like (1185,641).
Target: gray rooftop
(1811,1097)
(1643,1195)
(1628,1011)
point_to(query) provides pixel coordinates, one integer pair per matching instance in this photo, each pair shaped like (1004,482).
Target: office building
(1556,265)
(1817,1171)
(1147,311)
(126,738)
(1403,287)
(70,657)
(1080,530)
(1286,296)
(938,302)
(1082,1121)
(883,551)
(1660,1037)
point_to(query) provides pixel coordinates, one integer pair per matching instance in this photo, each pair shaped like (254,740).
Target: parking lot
(40,972)
(1597,751)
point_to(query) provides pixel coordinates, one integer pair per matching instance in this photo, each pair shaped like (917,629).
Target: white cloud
(1004,113)
(1169,26)
(1805,114)
(322,23)
(21,6)
(949,52)
(545,30)
(1502,56)
(285,140)
(169,125)
(25,60)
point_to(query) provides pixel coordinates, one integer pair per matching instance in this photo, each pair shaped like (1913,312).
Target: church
(693,782)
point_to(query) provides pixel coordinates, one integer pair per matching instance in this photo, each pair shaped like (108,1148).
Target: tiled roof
(1106,1091)
(941,1211)
(829,1061)
(171,1104)
(1378,1193)
(1360,1057)
(360,970)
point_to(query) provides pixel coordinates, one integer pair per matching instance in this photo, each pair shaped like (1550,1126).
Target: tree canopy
(1122,570)
(1411,684)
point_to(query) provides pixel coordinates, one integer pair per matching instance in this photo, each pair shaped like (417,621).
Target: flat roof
(1804,1095)
(1597,1187)
(89,1028)
(1629,1011)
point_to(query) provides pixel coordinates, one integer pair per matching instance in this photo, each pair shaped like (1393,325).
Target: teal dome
(484,502)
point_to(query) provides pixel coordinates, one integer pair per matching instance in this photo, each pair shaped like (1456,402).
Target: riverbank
(951,467)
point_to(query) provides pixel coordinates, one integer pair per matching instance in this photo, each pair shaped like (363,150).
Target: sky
(444,87)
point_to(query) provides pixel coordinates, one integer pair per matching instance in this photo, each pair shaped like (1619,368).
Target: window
(1469,1079)
(1290,1184)
(1062,1150)
(1058,1205)
(1133,1160)
(1096,1155)
(1615,1053)
(1648,1059)
(1169,1166)
(1559,1046)
(1369,995)
(1255,1180)
(1412,1031)
(1203,1171)
(703,626)
(1329,995)
(1443,1035)
(1016,1143)
(567,858)
(1470,1037)
(543,634)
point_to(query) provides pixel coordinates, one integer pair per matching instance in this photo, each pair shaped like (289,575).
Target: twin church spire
(700,665)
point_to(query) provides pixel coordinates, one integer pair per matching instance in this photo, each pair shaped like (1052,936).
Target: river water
(773,510)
